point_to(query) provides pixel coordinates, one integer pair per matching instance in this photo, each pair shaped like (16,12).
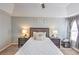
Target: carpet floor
(68,51)
(11,50)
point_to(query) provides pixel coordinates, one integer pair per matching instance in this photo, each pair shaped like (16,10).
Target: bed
(39,47)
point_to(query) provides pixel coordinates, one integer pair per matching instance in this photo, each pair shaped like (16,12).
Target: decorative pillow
(39,35)
(43,34)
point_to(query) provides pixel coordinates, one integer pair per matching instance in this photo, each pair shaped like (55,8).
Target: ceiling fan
(43,5)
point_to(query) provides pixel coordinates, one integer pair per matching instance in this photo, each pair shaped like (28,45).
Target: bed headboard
(39,30)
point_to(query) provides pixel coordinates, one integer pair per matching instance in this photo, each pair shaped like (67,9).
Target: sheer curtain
(69,25)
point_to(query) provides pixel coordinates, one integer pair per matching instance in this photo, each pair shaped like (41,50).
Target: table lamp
(24,32)
(55,32)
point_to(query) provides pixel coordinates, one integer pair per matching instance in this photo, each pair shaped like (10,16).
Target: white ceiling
(35,9)
(8,7)
(73,9)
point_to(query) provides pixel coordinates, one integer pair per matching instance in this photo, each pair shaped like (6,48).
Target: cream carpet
(14,48)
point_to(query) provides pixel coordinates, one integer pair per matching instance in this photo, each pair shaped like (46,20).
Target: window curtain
(70,22)
(69,25)
(77,42)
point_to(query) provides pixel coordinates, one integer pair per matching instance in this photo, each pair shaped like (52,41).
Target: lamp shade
(24,31)
(55,32)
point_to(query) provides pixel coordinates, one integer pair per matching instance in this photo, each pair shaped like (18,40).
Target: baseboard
(14,43)
(5,47)
(75,49)
(8,46)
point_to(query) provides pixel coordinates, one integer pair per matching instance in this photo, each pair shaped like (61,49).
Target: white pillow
(34,35)
(39,35)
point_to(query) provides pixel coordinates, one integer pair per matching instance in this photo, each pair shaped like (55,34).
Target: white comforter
(39,47)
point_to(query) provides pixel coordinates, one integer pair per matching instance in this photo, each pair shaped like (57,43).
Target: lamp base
(25,36)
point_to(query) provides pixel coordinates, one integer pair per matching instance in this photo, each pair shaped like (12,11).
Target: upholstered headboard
(39,30)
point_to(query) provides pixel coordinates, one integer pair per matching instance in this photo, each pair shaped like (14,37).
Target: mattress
(39,47)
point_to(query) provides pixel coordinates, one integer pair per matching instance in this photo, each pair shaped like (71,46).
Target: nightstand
(21,41)
(66,44)
(56,41)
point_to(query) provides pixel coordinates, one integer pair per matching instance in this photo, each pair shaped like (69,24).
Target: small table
(66,44)
(56,41)
(21,41)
